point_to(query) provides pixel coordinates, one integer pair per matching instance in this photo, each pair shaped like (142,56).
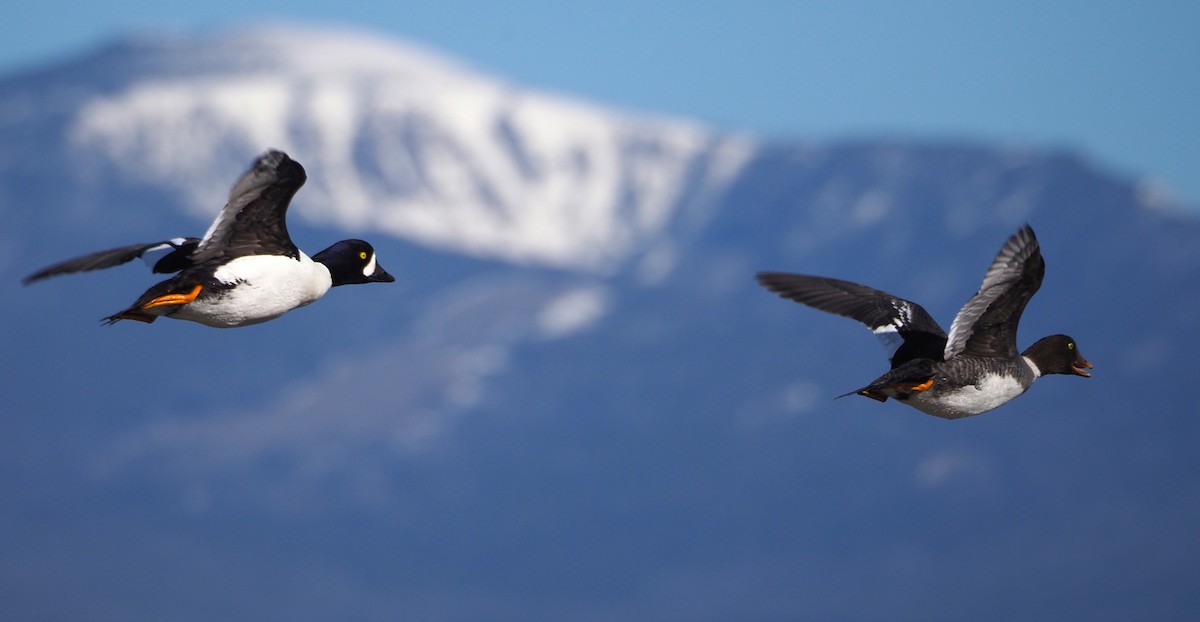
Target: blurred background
(575,403)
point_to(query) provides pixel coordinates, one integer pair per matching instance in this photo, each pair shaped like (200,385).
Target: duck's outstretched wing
(254,221)
(987,324)
(904,327)
(164,257)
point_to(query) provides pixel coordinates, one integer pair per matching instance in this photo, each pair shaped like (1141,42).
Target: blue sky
(1117,80)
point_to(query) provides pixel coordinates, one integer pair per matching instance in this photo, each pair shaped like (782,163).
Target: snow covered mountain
(575,403)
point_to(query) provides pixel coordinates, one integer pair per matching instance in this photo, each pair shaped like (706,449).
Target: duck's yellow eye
(362,254)
(1070,345)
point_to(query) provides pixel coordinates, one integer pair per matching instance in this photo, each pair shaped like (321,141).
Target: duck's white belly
(265,287)
(992,391)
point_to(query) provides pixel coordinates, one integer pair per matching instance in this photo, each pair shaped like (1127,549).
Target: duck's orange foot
(173,299)
(924,386)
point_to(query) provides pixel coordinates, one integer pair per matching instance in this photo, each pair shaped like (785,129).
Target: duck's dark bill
(381,276)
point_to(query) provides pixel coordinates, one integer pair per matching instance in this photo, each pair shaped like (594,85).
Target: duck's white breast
(973,399)
(264,287)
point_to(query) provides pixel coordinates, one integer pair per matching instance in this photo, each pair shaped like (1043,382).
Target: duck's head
(351,262)
(1058,354)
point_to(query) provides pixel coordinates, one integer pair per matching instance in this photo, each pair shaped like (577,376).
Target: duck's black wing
(987,325)
(167,256)
(254,221)
(904,327)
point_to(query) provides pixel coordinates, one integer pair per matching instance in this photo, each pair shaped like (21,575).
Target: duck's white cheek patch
(370,267)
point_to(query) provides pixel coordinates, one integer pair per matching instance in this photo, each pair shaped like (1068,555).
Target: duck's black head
(351,262)
(1058,354)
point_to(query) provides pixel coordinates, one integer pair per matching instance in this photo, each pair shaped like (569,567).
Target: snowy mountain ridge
(402,141)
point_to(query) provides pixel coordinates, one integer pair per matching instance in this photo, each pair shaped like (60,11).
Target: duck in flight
(246,269)
(975,368)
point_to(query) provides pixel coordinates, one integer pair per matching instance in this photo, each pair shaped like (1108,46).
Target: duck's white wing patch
(889,334)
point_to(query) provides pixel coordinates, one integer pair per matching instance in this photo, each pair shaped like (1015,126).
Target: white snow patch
(470,369)
(788,402)
(572,312)
(943,468)
(657,264)
(1157,194)
(871,207)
